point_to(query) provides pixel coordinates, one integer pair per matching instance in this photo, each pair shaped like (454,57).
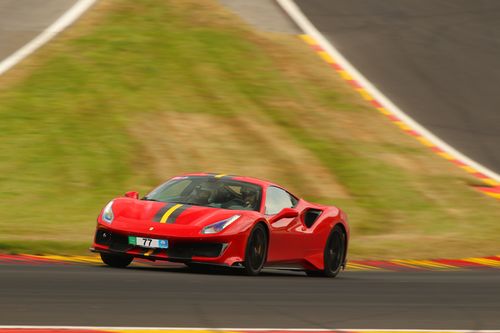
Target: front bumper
(221,250)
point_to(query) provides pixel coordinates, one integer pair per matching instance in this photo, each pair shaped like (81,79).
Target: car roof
(252,180)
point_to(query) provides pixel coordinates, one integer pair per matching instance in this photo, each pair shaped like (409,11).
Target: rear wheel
(333,254)
(116,260)
(256,251)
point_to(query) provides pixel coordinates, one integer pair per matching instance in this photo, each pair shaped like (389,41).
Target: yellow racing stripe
(169,212)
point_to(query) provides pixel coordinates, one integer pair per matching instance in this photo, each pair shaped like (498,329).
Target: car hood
(143,211)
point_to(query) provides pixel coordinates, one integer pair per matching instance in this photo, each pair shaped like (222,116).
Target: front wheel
(256,251)
(116,260)
(333,254)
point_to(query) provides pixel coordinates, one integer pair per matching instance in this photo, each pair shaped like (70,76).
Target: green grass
(73,120)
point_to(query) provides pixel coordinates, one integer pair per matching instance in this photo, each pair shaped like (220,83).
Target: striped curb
(76,329)
(492,187)
(327,51)
(425,265)
(355,265)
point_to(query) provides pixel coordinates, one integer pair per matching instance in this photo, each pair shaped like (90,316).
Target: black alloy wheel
(333,254)
(116,260)
(256,251)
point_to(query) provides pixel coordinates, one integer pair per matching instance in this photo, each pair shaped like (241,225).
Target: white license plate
(148,242)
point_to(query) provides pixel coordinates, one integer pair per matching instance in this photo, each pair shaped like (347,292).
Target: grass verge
(138,91)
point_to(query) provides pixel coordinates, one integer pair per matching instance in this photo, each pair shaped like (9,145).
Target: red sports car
(223,220)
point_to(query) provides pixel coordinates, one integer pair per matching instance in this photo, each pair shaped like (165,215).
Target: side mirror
(132,194)
(285,213)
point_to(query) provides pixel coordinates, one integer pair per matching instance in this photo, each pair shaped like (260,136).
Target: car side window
(277,199)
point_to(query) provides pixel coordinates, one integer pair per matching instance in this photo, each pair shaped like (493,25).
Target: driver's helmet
(202,194)
(249,196)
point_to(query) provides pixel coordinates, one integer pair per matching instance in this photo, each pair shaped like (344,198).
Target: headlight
(107,213)
(219,226)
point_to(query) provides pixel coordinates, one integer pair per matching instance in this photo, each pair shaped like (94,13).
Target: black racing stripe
(162,211)
(175,214)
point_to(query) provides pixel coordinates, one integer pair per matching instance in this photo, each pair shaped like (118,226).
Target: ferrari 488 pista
(241,222)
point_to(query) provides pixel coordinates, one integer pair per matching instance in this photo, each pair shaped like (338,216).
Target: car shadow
(215,270)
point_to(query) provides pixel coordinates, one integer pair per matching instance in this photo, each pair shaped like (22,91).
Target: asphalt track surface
(143,296)
(23,20)
(438,60)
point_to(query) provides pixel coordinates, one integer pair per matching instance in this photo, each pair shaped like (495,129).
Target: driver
(200,195)
(249,197)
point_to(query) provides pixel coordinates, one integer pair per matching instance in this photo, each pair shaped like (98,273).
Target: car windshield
(209,191)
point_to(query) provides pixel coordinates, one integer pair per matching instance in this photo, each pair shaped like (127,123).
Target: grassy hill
(138,91)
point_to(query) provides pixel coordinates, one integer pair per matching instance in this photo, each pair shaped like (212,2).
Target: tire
(116,260)
(333,254)
(256,250)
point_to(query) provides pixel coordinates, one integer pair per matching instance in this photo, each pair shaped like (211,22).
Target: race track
(94,295)
(23,20)
(435,59)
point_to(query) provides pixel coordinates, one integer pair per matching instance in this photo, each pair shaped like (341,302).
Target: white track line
(125,328)
(303,22)
(59,25)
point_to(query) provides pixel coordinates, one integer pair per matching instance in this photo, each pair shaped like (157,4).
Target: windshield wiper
(150,199)
(187,203)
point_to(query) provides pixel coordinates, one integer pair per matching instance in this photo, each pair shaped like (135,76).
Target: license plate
(148,242)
